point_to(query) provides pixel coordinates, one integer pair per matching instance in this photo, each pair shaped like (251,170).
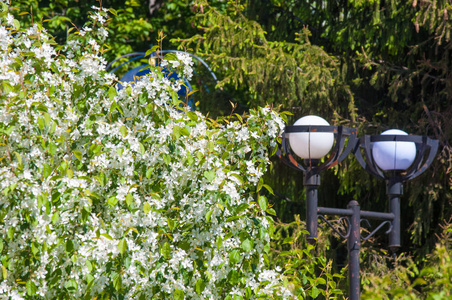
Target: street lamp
(393,156)
(312,138)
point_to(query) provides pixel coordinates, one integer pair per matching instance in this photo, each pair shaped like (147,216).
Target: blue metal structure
(142,70)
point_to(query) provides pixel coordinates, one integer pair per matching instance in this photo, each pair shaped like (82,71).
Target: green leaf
(149,172)
(146,207)
(55,196)
(89,280)
(234,257)
(41,123)
(175,98)
(123,130)
(112,93)
(210,175)
(219,242)
(20,164)
(7,88)
(116,106)
(34,248)
(16,24)
(176,131)
(129,199)
(247,245)
(78,155)
(190,159)
(170,223)
(179,295)
(314,292)
(166,250)
(31,288)
(47,119)
(287,240)
(149,107)
(241,208)
(200,286)
(208,215)
(233,277)
(192,115)
(89,265)
(122,246)
(267,248)
(142,149)
(228,235)
(419,281)
(268,188)
(4,272)
(117,281)
(185,131)
(69,246)
(271,211)
(262,202)
(112,201)
(152,50)
(46,170)
(113,11)
(52,89)
(129,90)
(55,217)
(10,129)
(239,178)
(101,178)
(11,232)
(211,146)
(233,218)
(107,236)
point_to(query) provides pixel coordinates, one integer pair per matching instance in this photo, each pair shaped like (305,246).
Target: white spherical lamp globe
(311,145)
(394,155)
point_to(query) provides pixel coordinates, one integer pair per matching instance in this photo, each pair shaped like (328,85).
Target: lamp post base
(353,215)
(354,246)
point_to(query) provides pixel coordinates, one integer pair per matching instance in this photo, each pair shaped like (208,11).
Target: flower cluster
(124,192)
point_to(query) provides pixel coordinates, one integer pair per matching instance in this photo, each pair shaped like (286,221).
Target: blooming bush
(123,193)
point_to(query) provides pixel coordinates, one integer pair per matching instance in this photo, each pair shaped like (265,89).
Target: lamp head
(311,145)
(391,156)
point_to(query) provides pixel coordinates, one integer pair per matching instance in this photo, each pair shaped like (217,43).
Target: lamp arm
(365,238)
(364,143)
(341,234)
(352,142)
(433,149)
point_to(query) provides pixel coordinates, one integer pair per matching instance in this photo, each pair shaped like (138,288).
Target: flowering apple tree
(124,193)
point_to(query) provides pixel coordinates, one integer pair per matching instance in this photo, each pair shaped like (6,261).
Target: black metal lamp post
(392,156)
(395,157)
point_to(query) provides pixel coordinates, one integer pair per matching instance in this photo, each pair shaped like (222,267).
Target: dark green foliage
(308,272)
(298,75)
(395,58)
(132,28)
(405,279)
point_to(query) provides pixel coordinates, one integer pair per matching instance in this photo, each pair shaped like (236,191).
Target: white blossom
(99,182)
